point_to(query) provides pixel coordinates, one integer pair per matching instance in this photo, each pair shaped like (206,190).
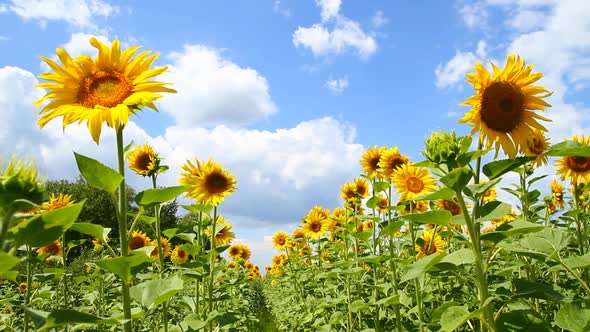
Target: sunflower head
(536,145)
(429,243)
(224,235)
(144,160)
(490,195)
(412,182)
(557,194)
(19,180)
(279,260)
(503,106)
(249,265)
(370,161)
(138,240)
(178,255)
(280,240)
(505,219)
(55,202)
(361,187)
(99,243)
(443,147)
(391,160)
(412,206)
(575,168)
(53,249)
(383,205)
(239,251)
(315,224)
(106,89)
(209,182)
(449,205)
(166,247)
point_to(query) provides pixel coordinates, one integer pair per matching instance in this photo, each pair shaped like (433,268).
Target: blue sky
(287,94)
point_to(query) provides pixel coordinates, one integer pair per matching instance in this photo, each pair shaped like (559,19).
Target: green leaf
(97,174)
(545,243)
(568,148)
(530,289)
(45,228)
(477,190)
(373,202)
(573,318)
(9,275)
(457,179)
(48,320)
(574,262)
(151,197)
(194,322)
(391,300)
(437,217)
(522,321)
(459,257)
(94,230)
(453,317)
(380,186)
(123,266)
(511,229)
(155,292)
(465,158)
(494,210)
(8,261)
(196,208)
(500,167)
(420,266)
(359,305)
(443,193)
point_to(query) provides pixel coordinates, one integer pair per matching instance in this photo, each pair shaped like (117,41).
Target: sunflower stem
(123,229)
(212,266)
(375,293)
(398,322)
(29,282)
(157,210)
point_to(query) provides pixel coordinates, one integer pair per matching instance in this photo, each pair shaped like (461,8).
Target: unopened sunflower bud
(19,181)
(442,147)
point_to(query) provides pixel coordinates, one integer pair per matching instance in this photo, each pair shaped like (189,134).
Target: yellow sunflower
(370,161)
(298,236)
(348,191)
(412,182)
(505,219)
(237,251)
(432,243)
(315,224)
(144,160)
(107,88)
(577,169)
(536,144)
(502,109)
(166,247)
(223,229)
(178,255)
(56,202)
(413,206)
(490,195)
(361,187)
(249,265)
(337,218)
(279,240)
(53,249)
(391,160)
(209,182)
(139,240)
(383,205)
(231,265)
(98,243)
(23,286)
(557,194)
(449,205)
(279,260)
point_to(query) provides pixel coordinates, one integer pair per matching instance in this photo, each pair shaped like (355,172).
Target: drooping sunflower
(557,194)
(139,240)
(53,249)
(315,224)
(239,251)
(279,240)
(432,243)
(577,169)
(56,202)
(107,88)
(370,161)
(209,182)
(536,144)
(166,247)
(23,286)
(383,205)
(449,205)
(412,182)
(178,255)
(361,187)
(144,160)
(224,235)
(502,108)
(391,160)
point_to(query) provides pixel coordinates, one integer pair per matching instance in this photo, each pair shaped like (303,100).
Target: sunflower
(298,236)
(279,240)
(557,194)
(107,88)
(56,202)
(413,206)
(209,182)
(53,249)
(449,205)
(413,181)
(383,205)
(23,286)
(361,187)
(231,265)
(490,195)
(279,260)
(166,247)
(505,219)
(337,218)
(577,169)
(536,144)
(432,243)
(178,255)
(502,109)
(99,243)
(370,161)
(139,240)
(391,160)
(224,235)
(249,265)
(237,251)
(144,160)
(315,224)
(348,192)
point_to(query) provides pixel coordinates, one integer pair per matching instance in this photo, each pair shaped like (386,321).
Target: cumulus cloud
(337,86)
(213,90)
(455,69)
(79,13)
(329,8)
(378,20)
(474,14)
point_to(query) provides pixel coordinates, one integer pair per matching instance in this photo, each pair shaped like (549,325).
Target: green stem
(212,266)
(123,229)
(398,321)
(416,282)
(523,187)
(29,285)
(65,262)
(4,224)
(157,210)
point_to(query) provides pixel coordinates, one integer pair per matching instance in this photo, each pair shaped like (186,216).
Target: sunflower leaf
(151,197)
(568,148)
(476,190)
(444,193)
(437,217)
(93,230)
(97,174)
(155,292)
(8,261)
(124,266)
(457,179)
(498,168)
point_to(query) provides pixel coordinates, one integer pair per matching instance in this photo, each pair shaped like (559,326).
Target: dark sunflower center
(143,162)
(502,107)
(136,242)
(107,89)
(53,248)
(579,164)
(362,190)
(374,163)
(397,162)
(316,226)
(281,240)
(451,207)
(535,146)
(414,184)
(216,183)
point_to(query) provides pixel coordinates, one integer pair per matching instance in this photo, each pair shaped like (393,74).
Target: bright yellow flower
(577,169)
(557,194)
(178,255)
(361,187)
(166,247)
(107,88)
(432,243)
(315,224)
(144,160)
(503,106)
(490,195)
(383,205)
(413,206)
(53,249)
(370,161)
(56,202)
(98,243)
(412,182)
(279,240)
(506,219)
(209,182)
(223,230)
(237,251)
(249,265)
(391,160)
(536,144)
(138,240)
(280,259)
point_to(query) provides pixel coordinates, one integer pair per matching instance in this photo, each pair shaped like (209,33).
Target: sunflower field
(420,245)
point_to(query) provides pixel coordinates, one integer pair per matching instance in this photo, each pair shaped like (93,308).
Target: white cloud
(329,8)
(474,14)
(378,20)
(527,20)
(454,71)
(213,90)
(337,86)
(278,8)
(75,12)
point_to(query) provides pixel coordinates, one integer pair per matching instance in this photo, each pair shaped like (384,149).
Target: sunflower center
(143,162)
(104,88)
(451,207)
(53,248)
(216,183)
(316,226)
(374,163)
(281,241)
(535,146)
(579,164)
(137,242)
(414,184)
(502,107)
(397,162)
